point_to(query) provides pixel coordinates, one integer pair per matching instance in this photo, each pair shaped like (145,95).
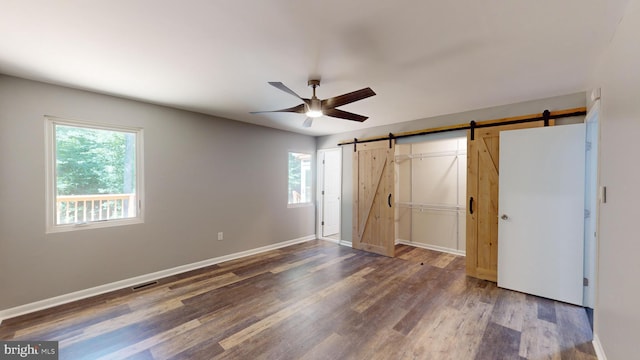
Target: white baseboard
(345,243)
(598,347)
(431,247)
(335,241)
(405,242)
(101,289)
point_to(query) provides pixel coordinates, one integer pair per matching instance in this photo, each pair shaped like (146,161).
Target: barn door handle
(471,205)
(389,200)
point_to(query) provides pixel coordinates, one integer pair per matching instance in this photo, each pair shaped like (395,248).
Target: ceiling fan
(315,107)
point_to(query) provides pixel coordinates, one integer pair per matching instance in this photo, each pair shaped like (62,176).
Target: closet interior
(431,178)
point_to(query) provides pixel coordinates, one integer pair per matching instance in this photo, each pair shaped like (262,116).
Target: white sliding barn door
(541,212)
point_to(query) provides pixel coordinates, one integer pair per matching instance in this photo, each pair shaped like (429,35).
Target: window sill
(51,229)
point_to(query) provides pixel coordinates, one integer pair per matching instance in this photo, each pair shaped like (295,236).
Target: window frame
(311,161)
(51,178)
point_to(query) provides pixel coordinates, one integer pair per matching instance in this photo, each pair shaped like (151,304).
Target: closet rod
(434,207)
(432,154)
(482,124)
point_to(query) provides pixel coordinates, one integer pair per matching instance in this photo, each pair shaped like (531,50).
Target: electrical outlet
(220,236)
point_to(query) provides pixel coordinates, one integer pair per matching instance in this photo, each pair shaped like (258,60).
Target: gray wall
(617,315)
(524,108)
(202,175)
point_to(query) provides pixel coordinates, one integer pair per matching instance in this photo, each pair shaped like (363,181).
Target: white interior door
(541,212)
(332,191)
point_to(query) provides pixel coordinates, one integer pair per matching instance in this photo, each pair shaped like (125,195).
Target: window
(94,175)
(299,178)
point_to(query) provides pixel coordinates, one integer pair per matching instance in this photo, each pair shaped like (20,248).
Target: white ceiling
(422,57)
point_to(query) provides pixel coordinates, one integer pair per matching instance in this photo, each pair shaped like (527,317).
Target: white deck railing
(84,208)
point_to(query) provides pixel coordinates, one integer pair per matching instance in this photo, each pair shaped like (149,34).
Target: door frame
(592,203)
(320,199)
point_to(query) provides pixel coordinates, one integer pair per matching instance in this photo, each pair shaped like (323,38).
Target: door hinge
(603,194)
(322,223)
(588,146)
(322,192)
(587,213)
(322,162)
(585,282)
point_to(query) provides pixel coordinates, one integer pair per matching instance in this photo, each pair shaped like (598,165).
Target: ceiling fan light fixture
(314,113)
(314,109)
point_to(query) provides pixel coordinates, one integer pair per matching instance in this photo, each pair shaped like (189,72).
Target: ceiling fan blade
(284,88)
(307,123)
(300,109)
(344,115)
(347,98)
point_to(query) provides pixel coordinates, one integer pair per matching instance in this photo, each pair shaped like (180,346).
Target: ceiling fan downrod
(315,105)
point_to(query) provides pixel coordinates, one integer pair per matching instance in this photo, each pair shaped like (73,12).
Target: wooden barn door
(373,209)
(483,161)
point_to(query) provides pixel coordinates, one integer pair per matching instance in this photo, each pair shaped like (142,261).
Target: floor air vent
(144,286)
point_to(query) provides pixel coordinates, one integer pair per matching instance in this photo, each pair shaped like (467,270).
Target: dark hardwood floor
(315,300)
